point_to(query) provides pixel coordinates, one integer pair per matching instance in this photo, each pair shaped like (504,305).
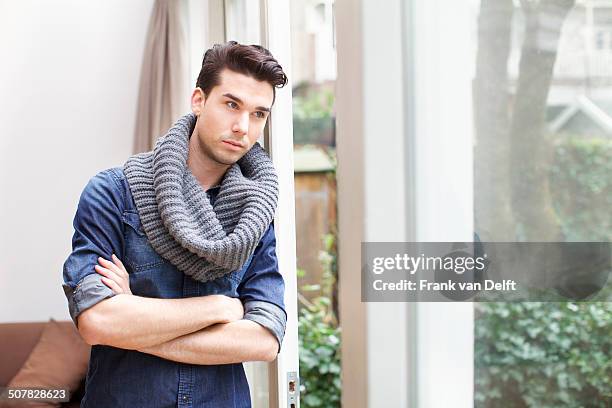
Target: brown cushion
(17,340)
(59,360)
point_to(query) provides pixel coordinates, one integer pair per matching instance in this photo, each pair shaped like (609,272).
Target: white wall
(69,77)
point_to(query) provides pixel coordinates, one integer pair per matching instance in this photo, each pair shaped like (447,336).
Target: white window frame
(276,37)
(403,174)
(443,58)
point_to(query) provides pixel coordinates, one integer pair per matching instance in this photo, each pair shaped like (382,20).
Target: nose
(241,126)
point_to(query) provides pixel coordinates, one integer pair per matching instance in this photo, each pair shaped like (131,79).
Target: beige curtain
(164,90)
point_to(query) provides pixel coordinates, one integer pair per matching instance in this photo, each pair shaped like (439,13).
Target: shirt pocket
(139,254)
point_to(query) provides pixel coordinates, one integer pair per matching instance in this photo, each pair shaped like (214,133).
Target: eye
(260,114)
(232,104)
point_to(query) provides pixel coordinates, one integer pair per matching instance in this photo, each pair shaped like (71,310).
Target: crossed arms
(197,330)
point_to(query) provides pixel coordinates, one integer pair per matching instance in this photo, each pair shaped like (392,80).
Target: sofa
(18,342)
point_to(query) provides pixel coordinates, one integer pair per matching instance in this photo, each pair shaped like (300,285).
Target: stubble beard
(215,156)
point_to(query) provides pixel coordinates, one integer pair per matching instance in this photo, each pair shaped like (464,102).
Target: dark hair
(252,60)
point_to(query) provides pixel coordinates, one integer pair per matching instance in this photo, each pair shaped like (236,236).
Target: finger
(119,264)
(109,265)
(109,273)
(113,285)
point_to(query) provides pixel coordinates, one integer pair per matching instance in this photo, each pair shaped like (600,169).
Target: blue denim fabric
(107,222)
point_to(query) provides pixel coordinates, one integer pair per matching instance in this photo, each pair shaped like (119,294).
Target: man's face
(232,117)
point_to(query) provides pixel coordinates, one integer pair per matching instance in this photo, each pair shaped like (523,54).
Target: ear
(198,98)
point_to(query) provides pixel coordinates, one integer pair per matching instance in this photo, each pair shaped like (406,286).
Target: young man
(173,277)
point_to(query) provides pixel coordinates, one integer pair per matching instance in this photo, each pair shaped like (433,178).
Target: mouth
(233,145)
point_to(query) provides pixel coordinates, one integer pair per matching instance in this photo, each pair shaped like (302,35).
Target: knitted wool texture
(201,240)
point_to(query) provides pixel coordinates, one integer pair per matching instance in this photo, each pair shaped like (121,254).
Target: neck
(207,171)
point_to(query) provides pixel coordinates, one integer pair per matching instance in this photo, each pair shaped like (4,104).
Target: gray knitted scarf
(201,240)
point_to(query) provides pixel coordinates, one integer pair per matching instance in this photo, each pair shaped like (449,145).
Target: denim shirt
(107,222)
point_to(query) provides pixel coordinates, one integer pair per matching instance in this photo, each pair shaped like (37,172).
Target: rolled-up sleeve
(262,288)
(98,232)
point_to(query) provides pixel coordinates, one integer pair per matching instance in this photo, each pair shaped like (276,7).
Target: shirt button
(185,398)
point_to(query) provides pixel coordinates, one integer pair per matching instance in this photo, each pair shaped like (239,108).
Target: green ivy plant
(544,355)
(319,338)
(581,187)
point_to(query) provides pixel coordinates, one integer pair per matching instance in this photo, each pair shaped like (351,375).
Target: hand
(233,309)
(115,276)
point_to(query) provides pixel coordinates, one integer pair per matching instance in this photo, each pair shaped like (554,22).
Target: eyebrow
(237,99)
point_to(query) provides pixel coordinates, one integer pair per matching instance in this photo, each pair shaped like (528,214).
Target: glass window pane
(313,77)
(242,19)
(543,172)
